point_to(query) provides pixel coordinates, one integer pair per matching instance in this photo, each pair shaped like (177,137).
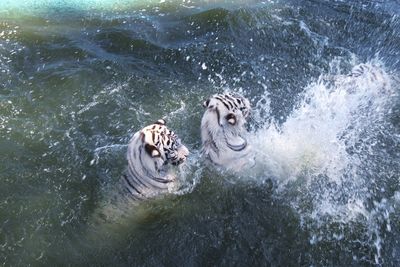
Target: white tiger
(366,76)
(223,133)
(149,152)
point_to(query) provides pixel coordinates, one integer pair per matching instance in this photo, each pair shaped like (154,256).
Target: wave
(334,153)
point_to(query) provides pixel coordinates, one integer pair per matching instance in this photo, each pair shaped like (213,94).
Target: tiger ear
(161,122)
(152,151)
(231,118)
(206,103)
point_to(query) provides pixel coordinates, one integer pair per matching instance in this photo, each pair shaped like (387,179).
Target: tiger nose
(183,158)
(186,152)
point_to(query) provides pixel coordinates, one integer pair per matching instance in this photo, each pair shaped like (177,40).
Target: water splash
(323,156)
(335,112)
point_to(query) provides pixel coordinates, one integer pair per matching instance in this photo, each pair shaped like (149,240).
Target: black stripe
(231,104)
(150,176)
(234,147)
(223,102)
(135,174)
(131,185)
(161,180)
(213,144)
(218,116)
(229,98)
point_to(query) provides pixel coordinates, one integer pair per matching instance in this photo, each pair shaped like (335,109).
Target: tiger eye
(231,118)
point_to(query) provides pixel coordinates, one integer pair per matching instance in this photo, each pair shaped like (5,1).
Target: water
(77,79)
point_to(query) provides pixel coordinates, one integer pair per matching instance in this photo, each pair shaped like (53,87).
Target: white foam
(333,113)
(326,141)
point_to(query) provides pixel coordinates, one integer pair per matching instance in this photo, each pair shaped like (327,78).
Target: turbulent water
(77,79)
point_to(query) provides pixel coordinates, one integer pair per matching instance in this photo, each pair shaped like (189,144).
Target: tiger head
(222,128)
(160,142)
(230,110)
(154,147)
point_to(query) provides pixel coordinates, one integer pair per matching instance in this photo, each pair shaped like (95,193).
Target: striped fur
(149,152)
(363,76)
(223,132)
(373,76)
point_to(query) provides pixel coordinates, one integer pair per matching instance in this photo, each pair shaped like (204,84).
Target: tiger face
(162,144)
(150,151)
(231,110)
(222,129)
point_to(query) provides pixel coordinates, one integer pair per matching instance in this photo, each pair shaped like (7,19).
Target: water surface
(77,79)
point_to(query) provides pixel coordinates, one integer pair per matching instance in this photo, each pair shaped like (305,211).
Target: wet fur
(150,152)
(223,133)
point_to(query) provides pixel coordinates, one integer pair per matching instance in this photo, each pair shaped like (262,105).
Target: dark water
(78,79)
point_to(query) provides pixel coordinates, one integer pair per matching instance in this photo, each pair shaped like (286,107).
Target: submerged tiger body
(366,76)
(149,174)
(150,152)
(223,133)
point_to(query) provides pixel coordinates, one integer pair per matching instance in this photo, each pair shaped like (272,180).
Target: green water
(77,79)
